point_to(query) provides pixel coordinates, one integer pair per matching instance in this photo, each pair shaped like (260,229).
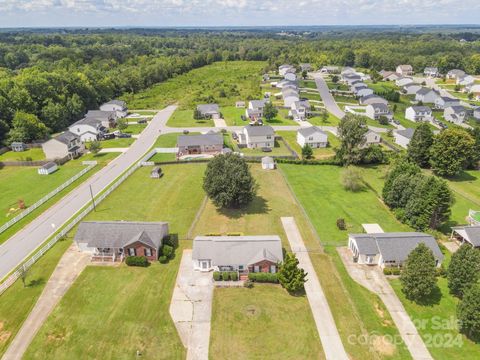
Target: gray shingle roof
(237,250)
(424,91)
(268,160)
(408,132)
(89,121)
(380,106)
(419,109)
(101,115)
(66,137)
(473,234)
(397,246)
(117,234)
(208,108)
(206,139)
(308,131)
(256,104)
(457,109)
(49,165)
(264,130)
(117,102)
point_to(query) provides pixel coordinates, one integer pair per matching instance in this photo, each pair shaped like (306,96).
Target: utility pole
(93,200)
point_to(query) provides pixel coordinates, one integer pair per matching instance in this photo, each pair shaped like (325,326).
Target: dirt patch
(56,337)
(381,314)
(4,335)
(252,311)
(383,346)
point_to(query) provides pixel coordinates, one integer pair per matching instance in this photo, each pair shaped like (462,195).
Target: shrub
(234,234)
(163,259)
(213,234)
(387,271)
(167,251)
(233,276)
(225,276)
(248,284)
(341,225)
(262,277)
(217,276)
(141,261)
(352,179)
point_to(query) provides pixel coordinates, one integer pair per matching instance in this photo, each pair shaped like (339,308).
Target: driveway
(327,98)
(69,267)
(24,242)
(327,330)
(373,279)
(191,308)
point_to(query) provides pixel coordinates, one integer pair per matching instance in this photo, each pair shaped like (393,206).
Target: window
(310,138)
(131,251)
(269,137)
(148,252)
(240,267)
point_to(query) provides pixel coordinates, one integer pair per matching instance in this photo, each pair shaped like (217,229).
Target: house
(330,70)
(200,144)
(290,96)
(299,110)
(290,76)
(442,102)
(455,114)
(405,70)
(371,138)
(88,129)
(389,249)
(391,76)
(455,73)
(115,240)
(305,67)
(48,168)
(403,137)
(376,110)
(426,95)
(284,69)
(404,81)
(107,118)
(372,99)
(313,136)
(431,72)
(156,173)
(363,92)
(208,111)
(268,163)
(465,80)
(66,144)
(254,110)
(351,78)
(347,70)
(118,106)
(237,253)
(418,113)
(286,83)
(476,113)
(357,85)
(240,104)
(411,89)
(18,146)
(475,90)
(467,234)
(257,136)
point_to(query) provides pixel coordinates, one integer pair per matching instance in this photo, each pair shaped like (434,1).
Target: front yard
(117,143)
(321,153)
(184,118)
(262,323)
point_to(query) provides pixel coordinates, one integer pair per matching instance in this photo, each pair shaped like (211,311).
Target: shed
(48,168)
(17,146)
(156,173)
(268,163)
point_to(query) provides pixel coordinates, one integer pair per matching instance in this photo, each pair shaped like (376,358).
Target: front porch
(107,255)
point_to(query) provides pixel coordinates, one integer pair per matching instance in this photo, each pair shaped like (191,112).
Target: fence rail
(45,198)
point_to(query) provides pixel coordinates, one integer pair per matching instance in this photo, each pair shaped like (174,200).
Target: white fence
(47,197)
(25,266)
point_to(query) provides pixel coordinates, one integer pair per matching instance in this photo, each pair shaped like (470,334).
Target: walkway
(327,98)
(113,150)
(24,242)
(191,308)
(69,267)
(329,336)
(373,279)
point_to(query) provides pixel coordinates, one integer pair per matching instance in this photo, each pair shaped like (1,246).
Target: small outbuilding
(156,173)
(268,163)
(48,168)
(240,104)
(17,146)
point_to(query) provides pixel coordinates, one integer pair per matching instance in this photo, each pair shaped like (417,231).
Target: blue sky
(26,13)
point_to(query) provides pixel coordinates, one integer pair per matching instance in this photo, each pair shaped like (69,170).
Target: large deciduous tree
(464,270)
(269,111)
(419,147)
(26,128)
(351,131)
(228,181)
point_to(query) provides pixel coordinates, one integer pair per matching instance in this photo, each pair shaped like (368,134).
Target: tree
(4,129)
(468,312)
(304,74)
(290,275)
(400,167)
(473,162)
(418,277)
(26,128)
(197,115)
(352,179)
(418,149)
(228,182)
(324,116)
(122,124)
(335,79)
(95,147)
(464,270)
(307,152)
(451,151)
(269,111)
(351,131)
(24,275)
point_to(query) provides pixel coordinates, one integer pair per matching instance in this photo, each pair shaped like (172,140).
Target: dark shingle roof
(206,139)
(208,108)
(100,115)
(307,131)
(408,132)
(49,165)
(259,130)
(66,137)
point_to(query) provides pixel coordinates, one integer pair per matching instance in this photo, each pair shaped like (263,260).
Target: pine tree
(464,270)
(307,152)
(290,275)
(419,147)
(468,312)
(418,277)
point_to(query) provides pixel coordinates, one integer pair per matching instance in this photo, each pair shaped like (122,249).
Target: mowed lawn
(110,313)
(33,154)
(184,118)
(321,153)
(279,149)
(264,322)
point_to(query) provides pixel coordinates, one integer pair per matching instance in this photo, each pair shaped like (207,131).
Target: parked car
(107,136)
(142,121)
(266,149)
(123,135)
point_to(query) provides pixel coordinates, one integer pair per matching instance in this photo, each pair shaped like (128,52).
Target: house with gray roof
(48,168)
(255,136)
(118,106)
(442,102)
(115,240)
(377,110)
(469,234)
(455,73)
(313,136)
(389,249)
(431,71)
(372,99)
(427,95)
(66,144)
(403,137)
(455,114)
(88,129)
(411,89)
(476,112)
(404,70)
(254,111)
(418,113)
(211,144)
(107,118)
(260,253)
(208,111)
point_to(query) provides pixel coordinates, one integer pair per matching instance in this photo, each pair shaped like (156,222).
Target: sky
(104,13)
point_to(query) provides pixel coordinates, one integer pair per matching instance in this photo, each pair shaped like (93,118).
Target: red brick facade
(141,250)
(264,266)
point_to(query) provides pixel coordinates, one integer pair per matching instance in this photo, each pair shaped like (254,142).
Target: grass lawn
(33,154)
(444,342)
(332,120)
(17,301)
(232,115)
(222,82)
(310,84)
(135,129)
(117,143)
(345,99)
(118,310)
(280,150)
(310,95)
(252,323)
(281,119)
(184,118)
(382,86)
(291,138)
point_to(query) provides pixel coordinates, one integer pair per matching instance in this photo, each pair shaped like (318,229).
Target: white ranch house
(426,95)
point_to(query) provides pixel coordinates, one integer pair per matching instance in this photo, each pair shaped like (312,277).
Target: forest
(48,79)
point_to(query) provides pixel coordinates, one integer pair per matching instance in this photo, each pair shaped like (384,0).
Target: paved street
(327,330)
(19,246)
(327,98)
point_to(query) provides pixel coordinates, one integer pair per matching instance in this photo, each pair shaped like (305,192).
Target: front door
(205,264)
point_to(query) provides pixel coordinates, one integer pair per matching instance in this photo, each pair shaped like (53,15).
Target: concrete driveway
(373,279)
(191,308)
(327,330)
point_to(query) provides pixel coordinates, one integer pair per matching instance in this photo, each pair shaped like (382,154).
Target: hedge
(391,271)
(309,162)
(225,275)
(262,277)
(163,259)
(141,261)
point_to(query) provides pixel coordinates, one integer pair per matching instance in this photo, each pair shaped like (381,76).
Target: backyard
(291,138)
(184,118)
(279,150)
(33,154)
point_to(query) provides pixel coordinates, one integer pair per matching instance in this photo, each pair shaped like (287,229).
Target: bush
(262,277)
(163,259)
(352,179)
(234,234)
(233,276)
(441,271)
(167,251)
(248,284)
(391,271)
(225,276)
(141,261)
(217,276)
(341,225)
(387,271)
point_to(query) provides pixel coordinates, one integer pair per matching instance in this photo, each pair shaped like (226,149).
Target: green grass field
(118,310)
(253,323)
(222,83)
(382,86)
(135,129)
(280,150)
(310,84)
(117,143)
(33,154)
(232,116)
(332,120)
(184,118)
(310,95)
(291,138)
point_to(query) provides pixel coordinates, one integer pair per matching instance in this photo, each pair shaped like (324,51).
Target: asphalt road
(24,242)
(328,100)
